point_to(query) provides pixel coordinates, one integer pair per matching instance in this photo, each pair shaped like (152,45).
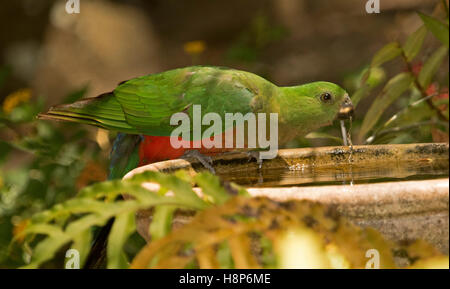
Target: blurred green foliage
(71,222)
(408,107)
(250,44)
(423,98)
(228,230)
(41,165)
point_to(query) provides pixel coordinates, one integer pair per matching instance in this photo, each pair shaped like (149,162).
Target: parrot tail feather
(102,111)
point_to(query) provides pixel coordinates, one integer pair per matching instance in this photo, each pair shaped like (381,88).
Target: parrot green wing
(144,105)
(148,102)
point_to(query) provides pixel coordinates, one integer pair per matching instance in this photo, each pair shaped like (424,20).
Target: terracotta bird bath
(400,190)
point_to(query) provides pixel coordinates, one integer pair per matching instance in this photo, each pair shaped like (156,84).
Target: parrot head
(307,107)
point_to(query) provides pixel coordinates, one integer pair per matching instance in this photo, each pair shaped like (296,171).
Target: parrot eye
(326,97)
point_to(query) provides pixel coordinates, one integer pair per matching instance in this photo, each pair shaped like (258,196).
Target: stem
(422,90)
(395,116)
(398,129)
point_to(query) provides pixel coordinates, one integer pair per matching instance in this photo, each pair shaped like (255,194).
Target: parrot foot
(255,155)
(206,161)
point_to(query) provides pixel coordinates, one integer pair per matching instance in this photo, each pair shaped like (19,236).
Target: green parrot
(141,109)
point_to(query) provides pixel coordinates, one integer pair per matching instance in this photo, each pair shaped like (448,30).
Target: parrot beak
(346,110)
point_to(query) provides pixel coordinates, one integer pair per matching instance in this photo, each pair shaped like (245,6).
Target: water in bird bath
(433,164)
(298,175)
(327,165)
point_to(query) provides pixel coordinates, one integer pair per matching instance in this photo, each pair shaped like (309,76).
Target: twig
(398,129)
(396,116)
(405,110)
(422,90)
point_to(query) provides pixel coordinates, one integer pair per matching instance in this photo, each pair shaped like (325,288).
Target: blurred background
(48,57)
(287,41)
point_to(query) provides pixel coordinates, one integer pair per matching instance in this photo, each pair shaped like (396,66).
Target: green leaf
(77,227)
(431,66)
(82,243)
(161,221)
(210,185)
(414,42)
(375,77)
(370,78)
(439,29)
(182,189)
(393,89)
(111,189)
(73,220)
(124,226)
(413,113)
(387,53)
(46,249)
(45,229)
(73,206)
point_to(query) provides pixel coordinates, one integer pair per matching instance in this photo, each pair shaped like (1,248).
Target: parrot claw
(255,155)
(206,161)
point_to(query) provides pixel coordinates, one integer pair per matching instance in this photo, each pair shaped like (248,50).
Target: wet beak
(346,110)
